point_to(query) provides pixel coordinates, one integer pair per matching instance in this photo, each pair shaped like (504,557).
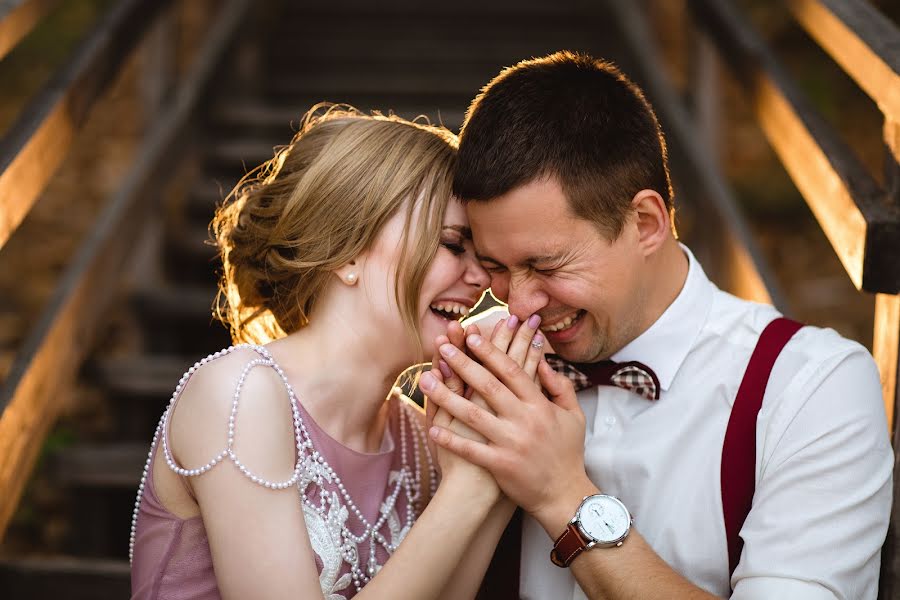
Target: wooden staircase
(409,57)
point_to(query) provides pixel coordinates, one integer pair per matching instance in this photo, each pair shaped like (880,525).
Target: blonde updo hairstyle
(321,202)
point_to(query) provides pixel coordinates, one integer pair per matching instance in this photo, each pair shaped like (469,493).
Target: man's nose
(526,297)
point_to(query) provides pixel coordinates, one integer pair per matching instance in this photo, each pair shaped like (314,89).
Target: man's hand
(534,446)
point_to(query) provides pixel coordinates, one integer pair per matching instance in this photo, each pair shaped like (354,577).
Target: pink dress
(358,507)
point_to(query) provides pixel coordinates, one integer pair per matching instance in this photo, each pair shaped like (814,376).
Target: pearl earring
(351,278)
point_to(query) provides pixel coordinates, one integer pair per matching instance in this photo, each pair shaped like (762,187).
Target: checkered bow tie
(633,376)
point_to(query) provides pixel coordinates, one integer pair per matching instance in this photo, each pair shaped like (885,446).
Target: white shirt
(823,457)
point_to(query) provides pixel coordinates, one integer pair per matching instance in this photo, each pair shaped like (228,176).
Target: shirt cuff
(780,588)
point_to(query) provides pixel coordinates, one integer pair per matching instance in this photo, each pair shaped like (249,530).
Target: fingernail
(447,350)
(534,321)
(473,340)
(538,339)
(427,382)
(512,321)
(434,432)
(445,369)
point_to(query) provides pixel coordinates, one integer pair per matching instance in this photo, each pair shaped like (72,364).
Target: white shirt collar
(665,344)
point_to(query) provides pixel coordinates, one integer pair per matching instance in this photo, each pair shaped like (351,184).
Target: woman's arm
(258,537)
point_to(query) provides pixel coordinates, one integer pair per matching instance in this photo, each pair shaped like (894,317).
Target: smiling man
(650,483)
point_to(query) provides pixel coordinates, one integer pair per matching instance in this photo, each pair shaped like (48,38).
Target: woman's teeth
(565,323)
(450,310)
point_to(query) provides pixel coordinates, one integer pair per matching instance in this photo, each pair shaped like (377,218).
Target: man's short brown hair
(568,116)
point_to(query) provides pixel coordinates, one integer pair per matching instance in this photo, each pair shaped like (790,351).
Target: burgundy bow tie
(633,376)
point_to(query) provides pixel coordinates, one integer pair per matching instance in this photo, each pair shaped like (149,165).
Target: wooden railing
(859,216)
(46,366)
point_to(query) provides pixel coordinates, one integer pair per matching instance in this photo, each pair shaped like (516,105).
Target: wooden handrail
(48,362)
(18,17)
(39,139)
(861,223)
(862,41)
(750,276)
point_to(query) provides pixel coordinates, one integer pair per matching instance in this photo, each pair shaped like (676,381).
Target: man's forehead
(513,246)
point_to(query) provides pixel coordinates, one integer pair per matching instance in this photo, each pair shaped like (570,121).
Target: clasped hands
(486,406)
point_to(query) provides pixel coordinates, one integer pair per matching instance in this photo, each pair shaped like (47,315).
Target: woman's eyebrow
(465,231)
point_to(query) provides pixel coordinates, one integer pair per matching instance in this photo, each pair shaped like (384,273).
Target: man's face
(542,259)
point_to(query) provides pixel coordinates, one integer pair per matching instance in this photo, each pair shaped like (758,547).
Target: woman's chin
(432,326)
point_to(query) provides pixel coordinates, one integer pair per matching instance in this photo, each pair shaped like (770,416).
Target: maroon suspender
(739,449)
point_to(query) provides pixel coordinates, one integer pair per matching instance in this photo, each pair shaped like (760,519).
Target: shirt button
(610,421)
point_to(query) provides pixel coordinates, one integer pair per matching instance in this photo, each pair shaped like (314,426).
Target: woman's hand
(522,342)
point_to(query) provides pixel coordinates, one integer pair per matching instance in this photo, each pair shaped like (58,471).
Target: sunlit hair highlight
(317,205)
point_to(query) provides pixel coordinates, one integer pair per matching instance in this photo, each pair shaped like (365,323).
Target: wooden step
(183,303)
(237,156)
(189,255)
(179,320)
(335,87)
(139,377)
(107,466)
(284,119)
(73,578)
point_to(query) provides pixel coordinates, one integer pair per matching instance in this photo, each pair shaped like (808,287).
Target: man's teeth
(452,307)
(564,324)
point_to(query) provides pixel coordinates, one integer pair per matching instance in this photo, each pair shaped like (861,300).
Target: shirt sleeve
(823,496)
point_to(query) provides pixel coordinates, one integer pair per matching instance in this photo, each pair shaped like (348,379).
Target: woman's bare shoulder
(235,401)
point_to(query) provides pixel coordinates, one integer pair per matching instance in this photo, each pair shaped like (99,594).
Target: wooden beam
(40,137)
(885,349)
(863,228)
(18,18)
(862,41)
(885,344)
(755,280)
(48,362)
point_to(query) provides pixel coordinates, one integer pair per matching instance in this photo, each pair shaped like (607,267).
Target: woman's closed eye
(456,247)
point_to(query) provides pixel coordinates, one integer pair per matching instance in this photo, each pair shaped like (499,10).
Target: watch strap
(567,547)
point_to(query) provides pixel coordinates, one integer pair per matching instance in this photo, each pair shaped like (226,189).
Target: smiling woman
(346,250)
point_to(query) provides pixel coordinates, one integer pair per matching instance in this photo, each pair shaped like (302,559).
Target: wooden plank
(887,355)
(862,41)
(750,276)
(65,577)
(885,344)
(18,18)
(885,349)
(52,353)
(40,137)
(863,228)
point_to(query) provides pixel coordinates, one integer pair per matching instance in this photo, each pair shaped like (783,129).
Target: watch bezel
(592,541)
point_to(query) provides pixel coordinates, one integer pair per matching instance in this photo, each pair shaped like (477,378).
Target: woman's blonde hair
(318,204)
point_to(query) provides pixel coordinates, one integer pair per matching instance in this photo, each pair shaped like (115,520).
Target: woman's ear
(349,273)
(652,218)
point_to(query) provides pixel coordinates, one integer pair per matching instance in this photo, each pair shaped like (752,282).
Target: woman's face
(455,279)
(452,286)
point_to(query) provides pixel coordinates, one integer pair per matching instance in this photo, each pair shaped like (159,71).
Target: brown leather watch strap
(569,545)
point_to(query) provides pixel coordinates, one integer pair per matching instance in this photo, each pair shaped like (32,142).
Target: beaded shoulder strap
(265,360)
(300,435)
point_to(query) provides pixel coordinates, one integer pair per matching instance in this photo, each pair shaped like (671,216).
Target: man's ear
(350,272)
(652,219)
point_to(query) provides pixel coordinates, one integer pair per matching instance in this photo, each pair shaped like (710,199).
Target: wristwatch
(601,521)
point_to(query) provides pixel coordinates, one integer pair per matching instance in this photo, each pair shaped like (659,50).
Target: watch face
(604,518)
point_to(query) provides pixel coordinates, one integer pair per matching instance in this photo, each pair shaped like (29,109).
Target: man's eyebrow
(485,258)
(543,258)
(530,261)
(466,232)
